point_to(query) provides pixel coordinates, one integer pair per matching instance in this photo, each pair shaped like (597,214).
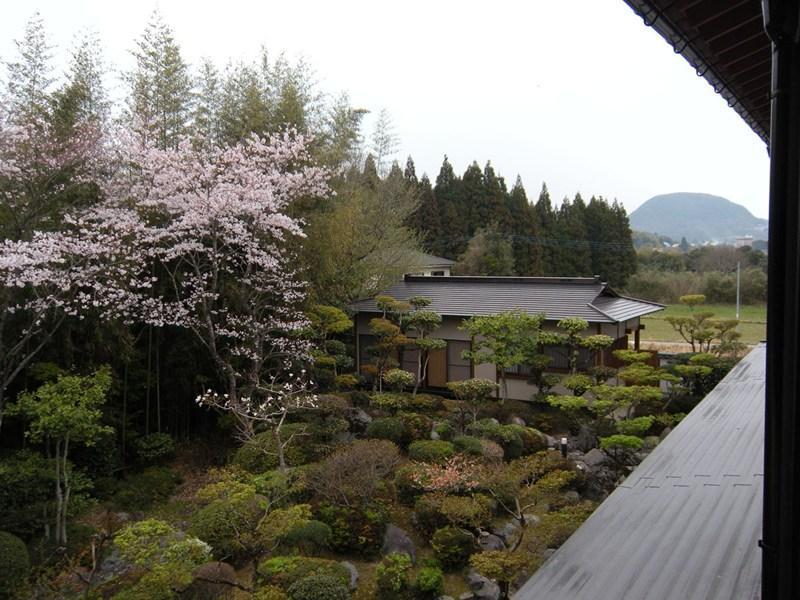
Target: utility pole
(738,284)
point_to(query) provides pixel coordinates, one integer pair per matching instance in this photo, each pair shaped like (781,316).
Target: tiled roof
(686,523)
(556,297)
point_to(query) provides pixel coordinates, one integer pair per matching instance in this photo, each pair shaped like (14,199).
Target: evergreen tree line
(495,231)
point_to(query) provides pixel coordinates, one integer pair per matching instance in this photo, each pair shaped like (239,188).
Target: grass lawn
(753,321)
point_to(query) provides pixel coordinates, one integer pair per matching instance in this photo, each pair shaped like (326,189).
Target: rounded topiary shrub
(468,444)
(389,428)
(269,592)
(406,487)
(431,450)
(453,546)
(429,583)
(260,454)
(154,447)
(140,490)
(15,564)
(319,587)
(311,537)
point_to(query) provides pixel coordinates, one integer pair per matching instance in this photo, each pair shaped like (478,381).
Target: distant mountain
(698,217)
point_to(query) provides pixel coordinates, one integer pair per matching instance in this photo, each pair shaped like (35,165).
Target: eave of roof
(686,522)
(725,42)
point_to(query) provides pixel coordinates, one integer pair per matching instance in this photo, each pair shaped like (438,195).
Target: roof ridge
(504,279)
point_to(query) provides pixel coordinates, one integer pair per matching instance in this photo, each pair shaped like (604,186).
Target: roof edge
(504,279)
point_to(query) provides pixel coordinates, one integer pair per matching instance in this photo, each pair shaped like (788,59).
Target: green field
(753,325)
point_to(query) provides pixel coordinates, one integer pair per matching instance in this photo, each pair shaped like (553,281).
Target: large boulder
(481,587)
(594,458)
(358,419)
(508,532)
(397,540)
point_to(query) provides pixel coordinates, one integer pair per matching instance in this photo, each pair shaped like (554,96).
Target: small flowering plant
(457,474)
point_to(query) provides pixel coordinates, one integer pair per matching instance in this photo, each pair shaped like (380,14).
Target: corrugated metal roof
(557,298)
(686,523)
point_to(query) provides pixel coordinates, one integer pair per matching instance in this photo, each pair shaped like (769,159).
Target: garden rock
(665,432)
(509,530)
(466,596)
(651,441)
(434,435)
(571,497)
(515,420)
(397,540)
(351,568)
(489,541)
(358,418)
(112,566)
(482,588)
(594,458)
(212,581)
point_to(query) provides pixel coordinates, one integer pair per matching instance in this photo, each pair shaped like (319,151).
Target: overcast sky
(578,94)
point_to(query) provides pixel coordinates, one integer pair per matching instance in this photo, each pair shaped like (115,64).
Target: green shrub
(357,530)
(418,426)
(425,402)
(260,454)
(230,520)
(429,583)
(281,489)
(26,490)
(16,564)
(468,444)
(269,592)
(444,430)
(346,381)
(431,450)
(360,398)
(389,428)
(154,447)
(141,490)
(319,587)
(638,426)
(398,379)
(392,574)
(284,571)
(532,439)
(389,401)
(453,546)
(516,440)
(437,510)
(309,538)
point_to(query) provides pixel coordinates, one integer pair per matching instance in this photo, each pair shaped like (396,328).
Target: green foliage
(345,382)
(166,556)
(429,582)
(468,445)
(391,402)
(260,454)
(398,379)
(636,427)
(154,447)
(578,384)
(453,546)
(355,530)
(16,564)
(437,510)
(556,526)
(504,339)
(617,444)
(311,537)
(389,428)
(417,425)
(489,253)
(69,407)
(284,571)
(319,587)
(392,574)
(515,440)
(501,566)
(26,483)
(431,450)
(229,521)
(475,392)
(269,592)
(328,320)
(141,490)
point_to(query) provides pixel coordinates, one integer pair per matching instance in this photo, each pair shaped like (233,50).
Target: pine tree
(627,262)
(340,134)
(452,212)
(493,207)
(426,219)
(546,224)
(384,141)
(161,87)
(472,197)
(572,256)
(525,231)
(243,109)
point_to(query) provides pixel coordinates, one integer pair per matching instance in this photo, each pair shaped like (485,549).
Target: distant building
(428,265)
(458,298)
(744,241)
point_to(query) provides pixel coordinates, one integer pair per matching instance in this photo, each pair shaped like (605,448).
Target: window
(458,368)
(437,273)
(409,360)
